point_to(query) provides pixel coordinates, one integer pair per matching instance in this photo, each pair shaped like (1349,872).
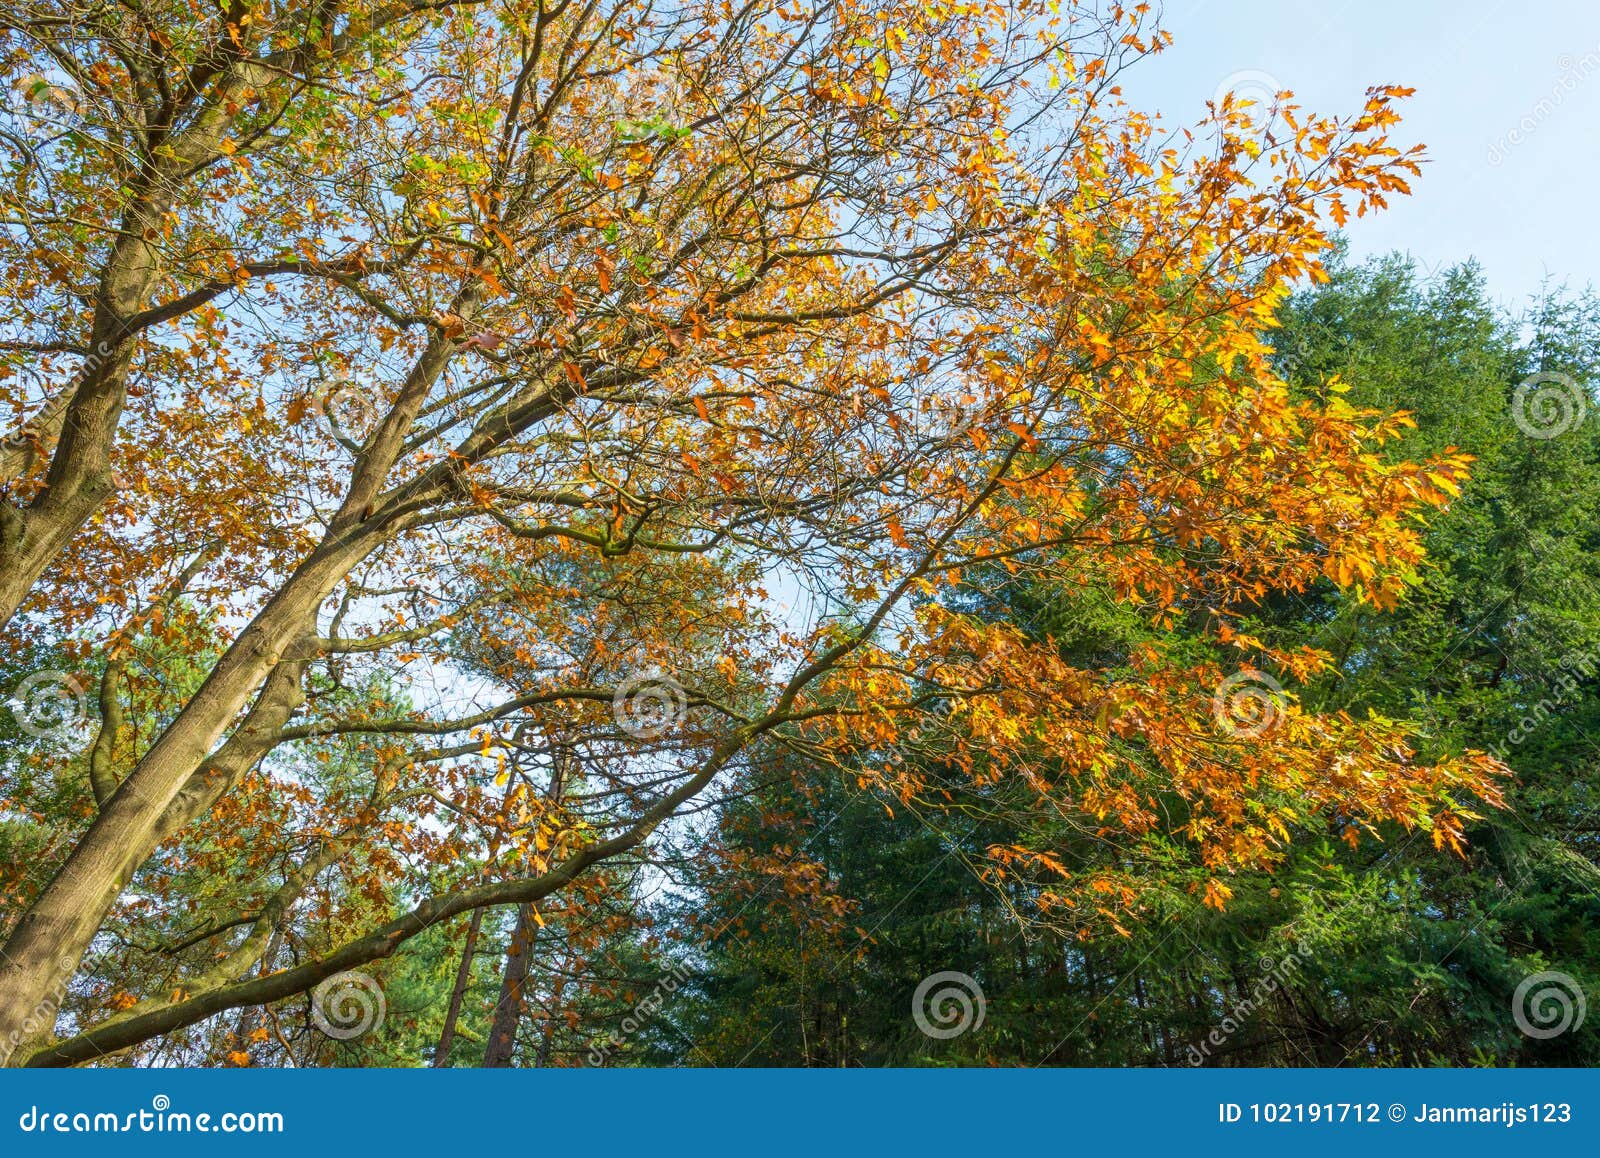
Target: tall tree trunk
(50,940)
(447,1036)
(83,426)
(83,423)
(161,795)
(547,1034)
(508,1010)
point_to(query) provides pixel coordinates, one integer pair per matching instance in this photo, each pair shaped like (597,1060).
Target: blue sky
(1508,103)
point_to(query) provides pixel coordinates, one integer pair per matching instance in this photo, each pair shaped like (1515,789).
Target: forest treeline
(806,942)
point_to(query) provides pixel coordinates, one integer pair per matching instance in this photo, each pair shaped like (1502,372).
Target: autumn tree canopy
(451,442)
